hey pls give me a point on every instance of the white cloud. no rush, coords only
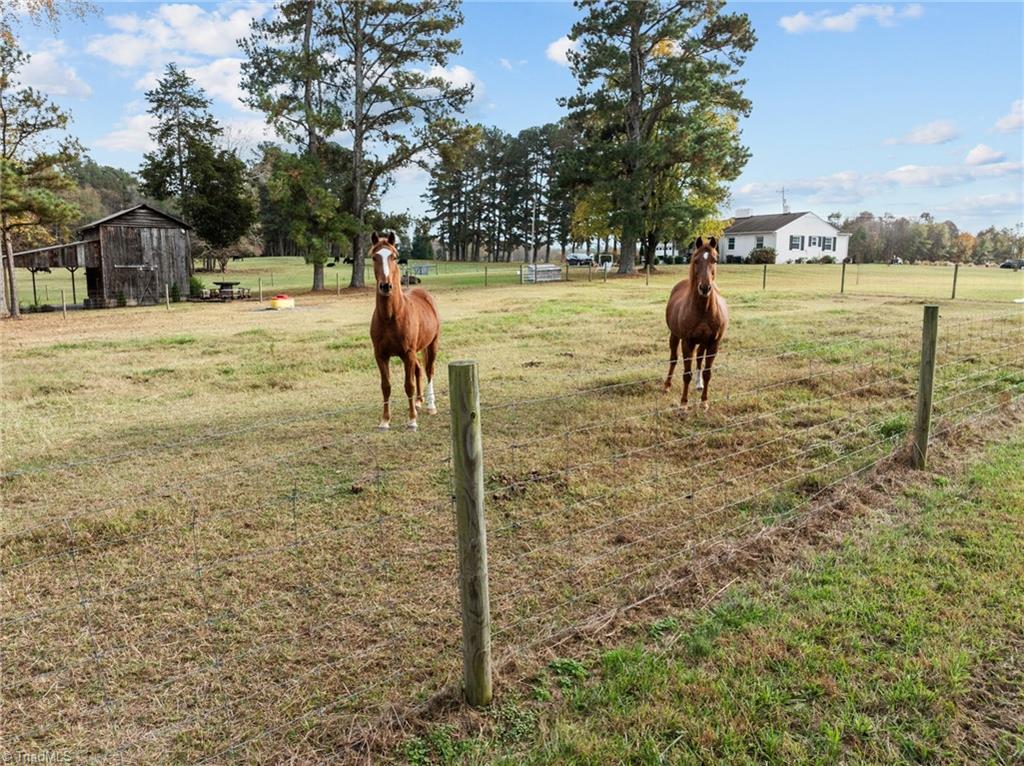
(558, 51)
(986, 205)
(1014, 120)
(46, 72)
(221, 78)
(130, 134)
(459, 76)
(511, 65)
(984, 155)
(849, 20)
(852, 186)
(936, 132)
(173, 30)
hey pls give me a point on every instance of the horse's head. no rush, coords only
(704, 266)
(385, 263)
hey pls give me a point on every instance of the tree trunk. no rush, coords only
(318, 276)
(12, 282)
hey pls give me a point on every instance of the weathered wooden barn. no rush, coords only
(128, 257)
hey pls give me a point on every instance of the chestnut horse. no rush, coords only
(403, 324)
(697, 317)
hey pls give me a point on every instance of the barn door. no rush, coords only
(124, 243)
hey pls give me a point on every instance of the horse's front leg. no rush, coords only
(673, 356)
(410, 387)
(419, 383)
(687, 373)
(385, 389)
(709, 357)
(702, 354)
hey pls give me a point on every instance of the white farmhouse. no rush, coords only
(793, 235)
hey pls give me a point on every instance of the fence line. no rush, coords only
(534, 617)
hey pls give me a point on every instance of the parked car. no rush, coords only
(1012, 264)
(579, 259)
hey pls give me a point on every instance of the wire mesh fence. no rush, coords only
(284, 605)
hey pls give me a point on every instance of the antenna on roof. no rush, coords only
(785, 207)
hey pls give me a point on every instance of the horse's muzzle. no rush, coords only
(385, 288)
(704, 290)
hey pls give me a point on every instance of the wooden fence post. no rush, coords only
(956, 268)
(590, 271)
(259, 284)
(925, 383)
(485, 275)
(271, 279)
(167, 295)
(764, 277)
(468, 474)
(337, 283)
(63, 305)
(842, 280)
(647, 273)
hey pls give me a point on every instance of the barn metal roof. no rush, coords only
(759, 223)
(127, 210)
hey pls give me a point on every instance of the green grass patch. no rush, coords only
(901, 648)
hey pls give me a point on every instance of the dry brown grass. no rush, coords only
(206, 546)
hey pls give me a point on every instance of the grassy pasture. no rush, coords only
(900, 646)
(209, 552)
(294, 276)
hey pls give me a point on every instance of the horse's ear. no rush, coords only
(391, 237)
(374, 238)
(699, 243)
(713, 242)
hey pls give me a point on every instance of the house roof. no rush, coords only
(132, 209)
(759, 223)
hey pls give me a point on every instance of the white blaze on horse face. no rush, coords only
(385, 261)
(705, 256)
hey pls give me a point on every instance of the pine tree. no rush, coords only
(184, 127)
(647, 72)
(391, 60)
(34, 151)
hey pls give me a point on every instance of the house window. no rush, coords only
(731, 244)
(796, 243)
(826, 243)
(759, 242)
(812, 242)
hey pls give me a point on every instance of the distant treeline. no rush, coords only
(881, 239)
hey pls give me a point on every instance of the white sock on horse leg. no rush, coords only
(700, 379)
(430, 395)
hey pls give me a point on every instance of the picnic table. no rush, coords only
(227, 289)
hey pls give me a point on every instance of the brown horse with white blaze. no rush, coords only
(697, 318)
(403, 324)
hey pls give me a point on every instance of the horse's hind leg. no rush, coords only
(385, 389)
(430, 356)
(673, 356)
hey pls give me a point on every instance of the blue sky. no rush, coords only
(891, 107)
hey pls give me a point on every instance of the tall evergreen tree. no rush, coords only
(293, 75)
(647, 72)
(399, 102)
(34, 153)
(184, 126)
